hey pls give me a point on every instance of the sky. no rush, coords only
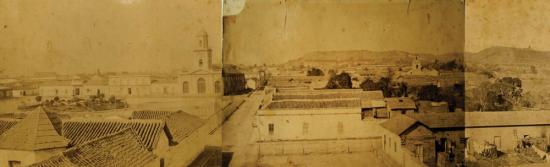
(508, 23)
(275, 31)
(73, 36)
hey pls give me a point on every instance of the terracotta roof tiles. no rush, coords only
(6, 124)
(119, 149)
(79, 132)
(34, 132)
(179, 124)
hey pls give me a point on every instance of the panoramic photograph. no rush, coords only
(274, 83)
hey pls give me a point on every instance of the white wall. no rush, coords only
(508, 139)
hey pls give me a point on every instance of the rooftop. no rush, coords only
(119, 149)
(400, 103)
(6, 124)
(78, 132)
(310, 104)
(441, 120)
(34, 132)
(398, 124)
(506, 118)
(179, 124)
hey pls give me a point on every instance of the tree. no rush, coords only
(429, 92)
(384, 84)
(38, 98)
(315, 72)
(369, 85)
(340, 81)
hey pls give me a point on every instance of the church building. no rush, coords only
(204, 79)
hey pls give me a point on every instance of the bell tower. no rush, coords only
(202, 53)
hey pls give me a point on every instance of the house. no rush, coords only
(410, 137)
(35, 138)
(95, 86)
(303, 126)
(119, 149)
(505, 129)
(59, 88)
(438, 139)
(400, 105)
(448, 130)
(234, 81)
(187, 135)
(5, 92)
(129, 85)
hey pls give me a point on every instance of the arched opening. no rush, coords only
(217, 87)
(185, 87)
(201, 86)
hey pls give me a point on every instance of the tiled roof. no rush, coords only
(310, 104)
(506, 118)
(119, 149)
(179, 124)
(34, 132)
(398, 124)
(55, 161)
(441, 120)
(400, 103)
(79, 132)
(151, 114)
(6, 124)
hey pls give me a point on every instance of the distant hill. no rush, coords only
(370, 57)
(508, 55)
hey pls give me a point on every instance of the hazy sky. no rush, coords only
(112, 35)
(274, 31)
(511, 23)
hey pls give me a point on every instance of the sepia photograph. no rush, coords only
(274, 83)
(110, 83)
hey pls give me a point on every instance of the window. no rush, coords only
(419, 151)
(56, 91)
(464, 140)
(394, 146)
(305, 128)
(129, 91)
(384, 141)
(217, 87)
(185, 86)
(201, 86)
(271, 128)
(340, 127)
(14, 163)
(165, 90)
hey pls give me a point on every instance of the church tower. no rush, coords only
(202, 53)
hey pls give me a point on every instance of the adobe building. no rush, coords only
(314, 123)
(506, 129)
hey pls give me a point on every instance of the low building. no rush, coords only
(437, 139)
(405, 138)
(234, 81)
(33, 139)
(400, 105)
(505, 129)
(5, 92)
(313, 126)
